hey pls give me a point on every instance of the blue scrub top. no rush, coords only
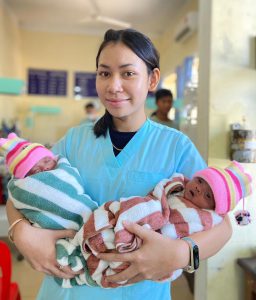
(155, 152)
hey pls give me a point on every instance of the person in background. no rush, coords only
(164, 102)
(91, 114)
(123, 154)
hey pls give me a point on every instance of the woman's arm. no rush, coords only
(159, 256)
(211, 241)
(38, 245)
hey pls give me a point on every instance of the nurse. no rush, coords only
(123, 154)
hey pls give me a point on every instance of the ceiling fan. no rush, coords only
(95, 15)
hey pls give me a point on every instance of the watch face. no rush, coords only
(196, 256)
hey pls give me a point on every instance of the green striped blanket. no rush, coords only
(56, 200)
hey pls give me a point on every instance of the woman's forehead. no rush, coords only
(118, 53)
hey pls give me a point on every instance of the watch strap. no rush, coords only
(194, 255)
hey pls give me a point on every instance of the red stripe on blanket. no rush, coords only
(97, 244)
(89, 227)
(116, 270)
(125, 205)
(206, 219)
(181, 226)
(92, 264)
(205, 216)
(128, 204)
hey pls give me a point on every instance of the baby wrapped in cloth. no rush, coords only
(55, 200)
(52, 199)
(174, 208)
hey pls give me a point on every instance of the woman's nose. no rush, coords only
(115, 85)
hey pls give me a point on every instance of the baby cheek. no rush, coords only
(53, 164)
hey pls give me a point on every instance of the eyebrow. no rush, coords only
(122, 66)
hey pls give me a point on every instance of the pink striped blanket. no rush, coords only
(163, 210)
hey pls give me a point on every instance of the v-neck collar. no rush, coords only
(128, 151)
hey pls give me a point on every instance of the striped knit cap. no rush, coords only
(20, 155)
(228, 185)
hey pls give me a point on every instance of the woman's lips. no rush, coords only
(116, 102)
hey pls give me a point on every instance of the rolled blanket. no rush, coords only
(56, 200)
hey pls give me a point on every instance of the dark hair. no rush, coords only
(142, 46)
(163, 93)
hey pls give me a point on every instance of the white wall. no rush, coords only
(233, 73)
(10, 59)
(172, 54)
(227, 91)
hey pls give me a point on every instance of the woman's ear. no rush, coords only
(154, 79)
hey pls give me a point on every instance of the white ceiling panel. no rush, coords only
(94, 16)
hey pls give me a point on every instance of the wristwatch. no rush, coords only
(194, 255)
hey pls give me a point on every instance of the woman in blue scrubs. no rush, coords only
(124, 154)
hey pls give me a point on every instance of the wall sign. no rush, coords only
(47, 82)
(85, 85)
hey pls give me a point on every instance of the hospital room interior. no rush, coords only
(207, 60)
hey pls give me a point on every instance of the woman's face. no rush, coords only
(123, 83)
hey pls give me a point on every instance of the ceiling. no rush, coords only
(90, 16)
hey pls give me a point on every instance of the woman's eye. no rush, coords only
(129, 74)
(103, 73)
(208, 196)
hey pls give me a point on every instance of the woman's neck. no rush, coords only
(127, 124)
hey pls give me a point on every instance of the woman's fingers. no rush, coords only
(61, 273)
(69, 271)
(128, 273)
(55, 270)
(138, 230)
(135, 279)
(66, 233)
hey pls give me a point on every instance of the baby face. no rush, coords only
(44, 164)
(199, 193)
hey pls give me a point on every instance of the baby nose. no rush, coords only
(45, 168)
(198, 190)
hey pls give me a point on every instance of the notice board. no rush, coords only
(85, 84)
(47, 82)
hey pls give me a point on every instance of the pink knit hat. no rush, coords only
(20, 155)
(228, 185)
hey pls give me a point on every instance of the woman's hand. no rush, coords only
(157, 258)
(38, 247)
